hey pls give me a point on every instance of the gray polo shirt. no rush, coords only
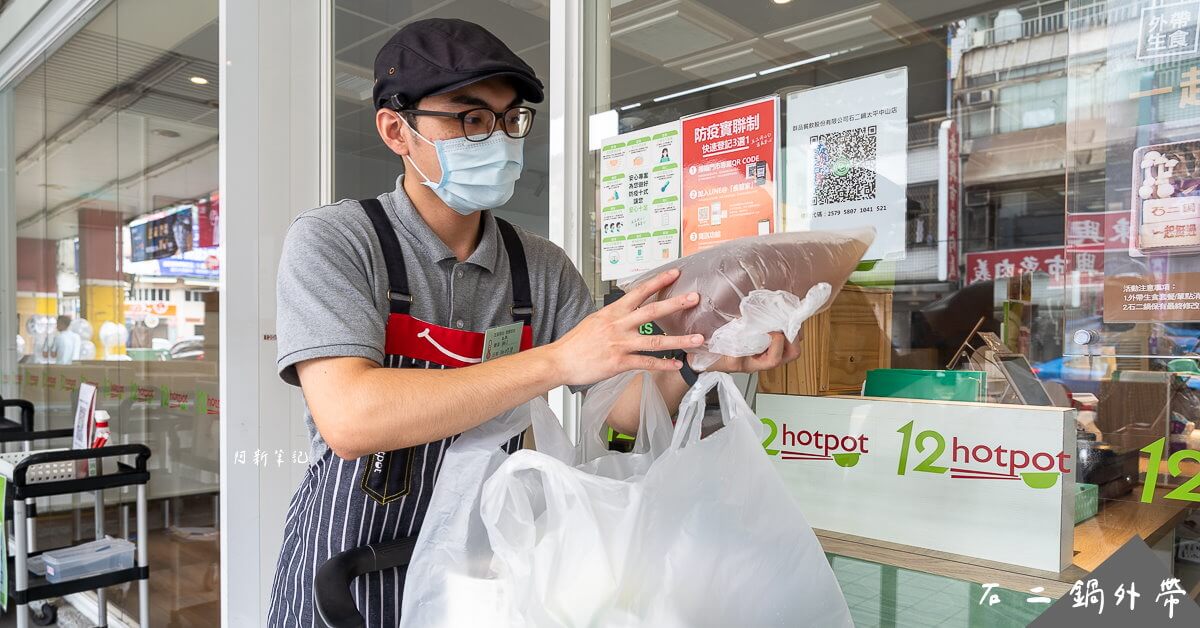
(332, 286)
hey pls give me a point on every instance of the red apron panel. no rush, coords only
(453, 348)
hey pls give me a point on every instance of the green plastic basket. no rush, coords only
(1087, 502)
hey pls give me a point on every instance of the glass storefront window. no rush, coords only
(1012, 231)
(362, 166)
(1032, 105)
(111, 187)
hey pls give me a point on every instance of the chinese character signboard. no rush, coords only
(1090, 237)
(949, 190)
(729, 174)
(162, 237)
(208, 221)
(847, 150)
(1165, 199)
(639, 200)
(1134, 298)
(1099, 231)
(1169, 30)
(994, 265)
(201, 264)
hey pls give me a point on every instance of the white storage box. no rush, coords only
(88, 559)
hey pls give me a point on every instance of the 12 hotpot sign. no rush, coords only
(925, 451)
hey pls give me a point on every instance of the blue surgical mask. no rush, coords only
(475, 175)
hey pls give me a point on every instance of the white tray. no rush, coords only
(38, 473)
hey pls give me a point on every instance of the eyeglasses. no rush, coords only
(479, 124)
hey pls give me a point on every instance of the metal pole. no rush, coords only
(32, 525)
(101, 602)
(77, 528)
(27, 446)
(143, 559)
(19, 560)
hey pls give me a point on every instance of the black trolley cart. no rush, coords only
(50, 472)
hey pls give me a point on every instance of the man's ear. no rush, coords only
(392, 130)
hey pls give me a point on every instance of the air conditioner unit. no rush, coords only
(980, 97)
(977, 197)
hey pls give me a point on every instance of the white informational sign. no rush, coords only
(847, 159)
(85, 409)
(1169, 30)
(639, 200)
(993, 482)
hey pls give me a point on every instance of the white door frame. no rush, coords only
(274, 57)
(8, 252)
(567, 147)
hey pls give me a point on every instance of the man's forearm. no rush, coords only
(383, 409)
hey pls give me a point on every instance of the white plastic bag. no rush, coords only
(652, 439)
(560, 531)
(706, 536)
(453, 579)
(720, 541)
(763, 312)
(451, 562)
(776, 278)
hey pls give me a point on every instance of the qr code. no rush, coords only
(843, 166)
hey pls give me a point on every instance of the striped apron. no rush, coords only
(344, 504)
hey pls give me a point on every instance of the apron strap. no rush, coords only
(522, 307)
(393, 257)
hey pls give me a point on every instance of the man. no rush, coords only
(66, 345)
(386, 307)
(140, 336)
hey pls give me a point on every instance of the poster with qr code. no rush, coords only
(729, 181)
(639, 200)
(847, 161)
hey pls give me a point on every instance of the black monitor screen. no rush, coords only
(1023, 379)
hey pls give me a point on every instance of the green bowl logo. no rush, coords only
(1040, 479)
(846, 460)
(841, 167)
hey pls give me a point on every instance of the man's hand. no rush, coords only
(624, 417)
(779, 352)
(607, 342)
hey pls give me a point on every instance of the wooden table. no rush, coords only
(1095, 540)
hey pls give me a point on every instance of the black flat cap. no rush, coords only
(436, 56)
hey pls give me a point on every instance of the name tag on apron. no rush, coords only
(501, 341)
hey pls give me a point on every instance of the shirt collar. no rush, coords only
(486, 254)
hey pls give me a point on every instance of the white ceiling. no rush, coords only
(113, 120)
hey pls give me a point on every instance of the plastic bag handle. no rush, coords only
(691, 412)
(599, 403)
(548, 433)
